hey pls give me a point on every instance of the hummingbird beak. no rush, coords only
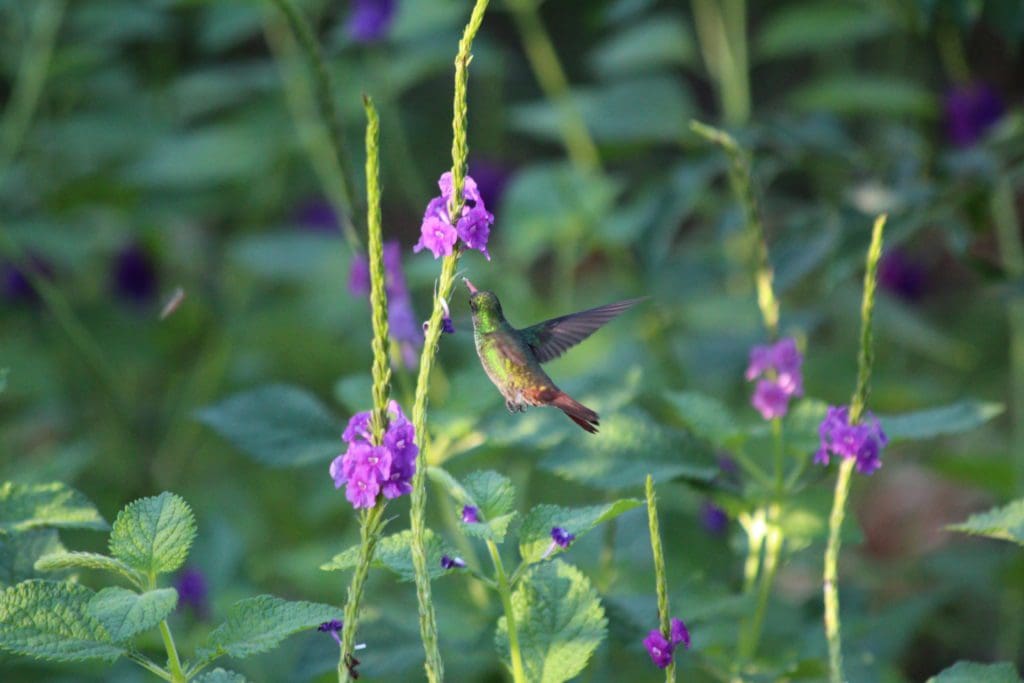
(472, 289)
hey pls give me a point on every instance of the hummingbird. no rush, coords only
(512, 358)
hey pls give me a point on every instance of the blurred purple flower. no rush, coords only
(713, 518)
(369, 20)
(470, 514)
(491, 179)
(971, 109)
(17, 287)
(473, 227)
(402, 325)
(863, 441)
(317, 215)
(359, 276)
(900, 274)
(679, 633)
(134, 275)
(658, 648)
(192, 591)
(780, 364)
(452, 562)
(365, 469)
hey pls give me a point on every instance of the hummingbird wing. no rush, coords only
(551, 338)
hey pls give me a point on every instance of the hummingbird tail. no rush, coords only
(577, 412)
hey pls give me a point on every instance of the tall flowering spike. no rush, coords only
(473, 226)
(370, 20)
(862, 442)
(779, 366)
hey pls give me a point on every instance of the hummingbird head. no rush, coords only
(485, 307)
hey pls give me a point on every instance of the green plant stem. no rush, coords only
(722, 34)
(755, 528)
(433, 664)
(780, 455)
(751, 638)
(830, 585)
(173, 662)
(28, 86)
(381, 371)
(149, 665)
(369, 533)
(504, 590)
(660, 577)
(741, 179)
(540, 52)
(325, 100)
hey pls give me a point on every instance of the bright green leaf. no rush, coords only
(50, 620)
(220, 676)
(560, 622)
(276, 425)
(952, 419)
(1005, 523)
(78, 560)
(19, 553)
(707, 417)
(972, 672)
(28, 506)
(394, 552)
(153, 535)
(259, 624)
(494, 496)
(125, 613)
(535, 532)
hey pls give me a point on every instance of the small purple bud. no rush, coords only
(134, 275)
(192, 591)
(679, 633)
(659, 649)
(470, 514)
(452, 562)
(561, 537)
(713, 518)
(333, 627)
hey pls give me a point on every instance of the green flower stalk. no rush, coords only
(842, 491)
(504, 588)
(433, 664)
(722, 33)
(660, 578)
(370, 519)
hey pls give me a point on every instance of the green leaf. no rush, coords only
(50, 620)
(816, 27)
(259, 624)
(631, 446)
(3, 379)
(277, 425)
(706, 417)
(220, 676)
(153, 535)
(28, 506)
(1005, 523)
(79, 560)
(878, 96)
(394, 552)
(972, 672)
(560, 622)
(125, 613)
(660, 40)
(491, 493)
(19, 553)
(535, 532)
(962, 416)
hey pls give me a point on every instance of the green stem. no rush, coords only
(660, 577)
(369, 533)
(518, 673)
(722, 34)
(540, 51)
(755, 528)
(751, 639)
(433, 664)
(149, 665)
(780, 455)
(173, 662)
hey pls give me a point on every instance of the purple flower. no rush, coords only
(491, 178)
(365, 469)
(863, 441)
(903, 276)
(452, 562)
(658, 648)
(358, 428)
(470, 514)
(561, 537)
(192, 591)
(17, 287)
(970, 110)
(333, 627)
(317, 215)
(679, 633)
(370, 20)
(713, 518)
(359, 276)
(473, 226)
(402, 325)
(780, 367)
(134, 275)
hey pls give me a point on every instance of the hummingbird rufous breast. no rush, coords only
(512, 358)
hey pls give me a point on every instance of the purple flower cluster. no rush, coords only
(401, 317)
(779, 368)
(473, 227)
(660, 648)
(370, 20)
(863, 441)
(367, 470)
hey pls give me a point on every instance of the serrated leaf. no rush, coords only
(259, 624)
(125, 613)
(220, 676)
(632, 445)
(153, 535)
(972, 672)
(29, 506)
(394, 552)
(707, 417)
(955, 418)
(277, 425)
(79, 560)
(1005, 523)
(560, 622)
(50, 620)
(535, 532)
(19, 553)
